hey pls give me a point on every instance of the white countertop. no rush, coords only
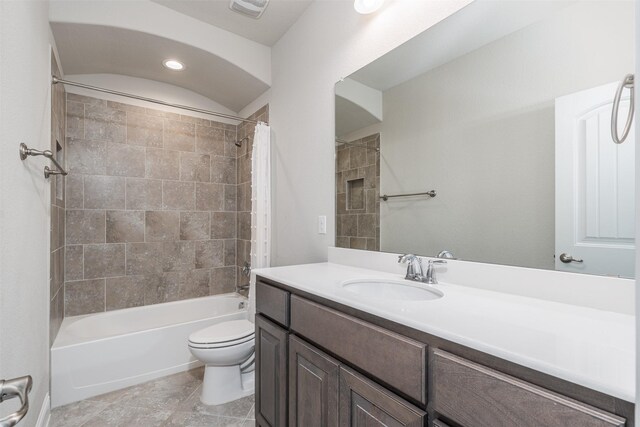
(586, 346)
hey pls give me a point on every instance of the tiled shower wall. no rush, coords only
(56, 263)
(244, 190)
(152, 201)
(358, 194)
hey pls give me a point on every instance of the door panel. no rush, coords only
(313, 386)
(271, 373)
(595, 185)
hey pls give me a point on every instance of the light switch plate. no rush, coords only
(322, 224)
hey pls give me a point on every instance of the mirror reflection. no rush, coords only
(494, 142)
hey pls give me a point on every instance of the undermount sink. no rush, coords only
(392, 289)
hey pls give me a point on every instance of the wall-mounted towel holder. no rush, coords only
(26, 152)
(626, 83)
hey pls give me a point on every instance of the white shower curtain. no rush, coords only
(260, 203)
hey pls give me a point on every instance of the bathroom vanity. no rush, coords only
(325, 358)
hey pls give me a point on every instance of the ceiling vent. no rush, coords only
(251, 8)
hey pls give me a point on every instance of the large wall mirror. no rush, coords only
(492, 128)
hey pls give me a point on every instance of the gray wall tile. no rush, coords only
(104, 192)
(162, 164)
(178, 256)
(223, 280)
(144, 258)
(162, 226)
(75, 120)
(210, 140)
(143, 194)
(223, 225)
(209, 197)
(125, 226)
(74, 262)
(179, 135)
(106, 260)
(124, 292)
(223, 170)
(88, 157)
(178, 195)
(195, 167)
(153, 200)
(125, 160)
(85, 226)
(83, 297)
(74, 191)
(104, 123)
(194, 225)
(209, 253)
(144, 130)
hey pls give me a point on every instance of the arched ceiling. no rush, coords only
(133, 37)
(98, 49)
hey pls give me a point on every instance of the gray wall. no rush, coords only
(152, 209)
(480, 130)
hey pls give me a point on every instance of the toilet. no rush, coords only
(227, 350)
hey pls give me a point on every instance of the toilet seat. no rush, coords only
(225, 334)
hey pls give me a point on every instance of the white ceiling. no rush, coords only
(276, 20)
(98, 49)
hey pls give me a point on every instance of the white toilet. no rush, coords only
(227, 349)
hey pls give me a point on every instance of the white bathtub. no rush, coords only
(103, 352)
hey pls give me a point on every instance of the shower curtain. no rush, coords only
(260, 203)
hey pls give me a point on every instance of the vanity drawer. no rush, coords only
(476, 396)
(397, 361)
(272, 302)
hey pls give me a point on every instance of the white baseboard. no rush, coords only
(45, 412)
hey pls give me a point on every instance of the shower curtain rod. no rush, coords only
(56, 80)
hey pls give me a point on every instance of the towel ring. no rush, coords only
(627, 82)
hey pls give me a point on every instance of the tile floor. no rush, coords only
(168, 401)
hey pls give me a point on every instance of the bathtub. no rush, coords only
(98, 353)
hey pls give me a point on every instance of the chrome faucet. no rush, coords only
(430, 278)
(414, 267)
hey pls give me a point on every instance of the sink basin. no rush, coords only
(389, 289)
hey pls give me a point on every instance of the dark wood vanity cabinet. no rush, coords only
(318, 364)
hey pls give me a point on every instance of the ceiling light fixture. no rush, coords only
(172, 64)
(367, 6)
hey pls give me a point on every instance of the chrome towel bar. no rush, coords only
(626, 83)
(20, 388)
(431, 193)
(26, 151)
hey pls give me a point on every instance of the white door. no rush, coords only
(595, 185)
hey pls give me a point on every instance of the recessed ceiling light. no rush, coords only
(172, 64)
(367, 6)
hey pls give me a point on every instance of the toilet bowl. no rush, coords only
(227, 351)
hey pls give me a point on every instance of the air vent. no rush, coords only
(251, 8)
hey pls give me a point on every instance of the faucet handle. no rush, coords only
(437, 261)
(406, 258)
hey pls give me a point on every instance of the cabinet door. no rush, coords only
(366, 404)
(313, 386)
(271, 374)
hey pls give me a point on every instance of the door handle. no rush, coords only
(20, 388)
(566, 258)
